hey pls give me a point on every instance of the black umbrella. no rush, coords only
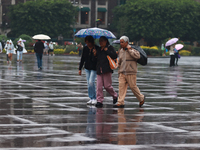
(143, 55)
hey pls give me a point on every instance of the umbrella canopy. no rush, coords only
(179, 46)
(171, 42)
(95, 32)
(41, 37)
(116, 42)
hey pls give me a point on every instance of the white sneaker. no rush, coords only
(94, 101)
(89, 102)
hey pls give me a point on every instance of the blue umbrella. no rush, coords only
(95, 32)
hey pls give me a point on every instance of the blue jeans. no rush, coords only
(19, 55)
(91, 76)
(39, 59)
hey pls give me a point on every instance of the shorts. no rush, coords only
(45, 50)
(50, 50)
(10, 51)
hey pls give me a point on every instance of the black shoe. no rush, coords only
(118, 106)
(99, 105)
(115, 100)
(142, 102)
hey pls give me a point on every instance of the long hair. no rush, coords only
(105, 39)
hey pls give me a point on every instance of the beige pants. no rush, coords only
(124, 81)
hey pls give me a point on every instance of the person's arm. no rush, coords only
(82, 61)
(134, 53)
(35, 46)
(120, 60)
(43, 46)
(111, 52)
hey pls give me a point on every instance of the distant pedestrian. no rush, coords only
(10, 50)
(128, 72)
(104, 72)
(38, 48)
(3, 42)
(6, 49)
(89, 62)
(177, 56)
(1, 48)
(20, 50)
(80, 48)
(46, 48)
(172, 56)
(51, 49)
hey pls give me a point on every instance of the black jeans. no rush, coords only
(172, 60)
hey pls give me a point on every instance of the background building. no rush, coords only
(89, 11)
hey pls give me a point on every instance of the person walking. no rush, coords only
(128, 72)
(1, 48)
(51, 49)
(89, 62)
(172, 56)
(10, 50)
(20, 50)
(177, 56)
(6, 49)
(46, 48)
(104, 72)
(38, 48)
(80, 48)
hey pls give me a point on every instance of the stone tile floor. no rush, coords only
(44, 110)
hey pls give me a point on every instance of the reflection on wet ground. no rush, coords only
(43, 110)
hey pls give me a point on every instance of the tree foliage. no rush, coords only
(51, 17)
(155, 20)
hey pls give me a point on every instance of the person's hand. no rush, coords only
(105, 49)
(94, 52)
(129, 47)
(79, 72)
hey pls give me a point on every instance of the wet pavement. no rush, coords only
(44, 110)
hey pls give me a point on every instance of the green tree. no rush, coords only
(24, 37)
(51, 17)
(155, 20)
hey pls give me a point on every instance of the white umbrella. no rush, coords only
(171, 42)
(41, 37)
(179, 46)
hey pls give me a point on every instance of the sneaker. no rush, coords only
(94, 101)
(115, 100)
(89, 102)
(99, 105)
(142, 102)
(117, 105)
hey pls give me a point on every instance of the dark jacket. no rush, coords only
(88, 59)
(39, 46)
(19, 48)
(102, 60)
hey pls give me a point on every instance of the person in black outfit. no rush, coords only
(89, 62)
(104, 72)
(38, 48)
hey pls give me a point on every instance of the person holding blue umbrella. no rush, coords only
(89, 62)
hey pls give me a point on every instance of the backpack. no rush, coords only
(143, 56)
